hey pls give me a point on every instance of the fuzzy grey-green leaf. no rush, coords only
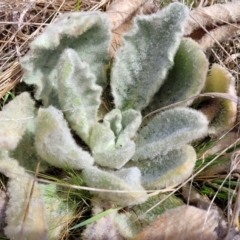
(14, 119)
(19, 189)
(131, 121)
(25, 152)
(115, 158)
(124, 180)
(147, 54)
(167, 170)
(59, 211)
(111, 142)
(113, 120)
(169, 130)
(185, 80)
(88, 33)
(55, 144)
(78, 93)
(221, 113)
(102, 138)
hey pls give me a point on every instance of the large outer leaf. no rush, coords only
(220, 80)
(37, 213)
(124, 180)
(14, 119)
(25, 152)
(59, 211)
(169, 130)
(87, 33)
(55, 144)
(142, 63)
(24, 215)
(166, 170)
(186, 79)
(78, 93)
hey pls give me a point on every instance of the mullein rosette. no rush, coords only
(153, 68)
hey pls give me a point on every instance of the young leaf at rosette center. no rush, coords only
(115, 158)
(123, 180)
(88, 33)
(167, 170)
(25, 212)
(147, 54)
(55, 144)
(185, 80)
(113, 120)
(103, 135)
(14, 118)
(221, 112)
(131, 121)
(112, 141)
(104, 149)
(102, 138)
(169, 130)
(78, 93)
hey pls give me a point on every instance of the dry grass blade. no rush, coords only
(10, 78)
(210, 94)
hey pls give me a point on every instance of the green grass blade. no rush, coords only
(95, 218)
